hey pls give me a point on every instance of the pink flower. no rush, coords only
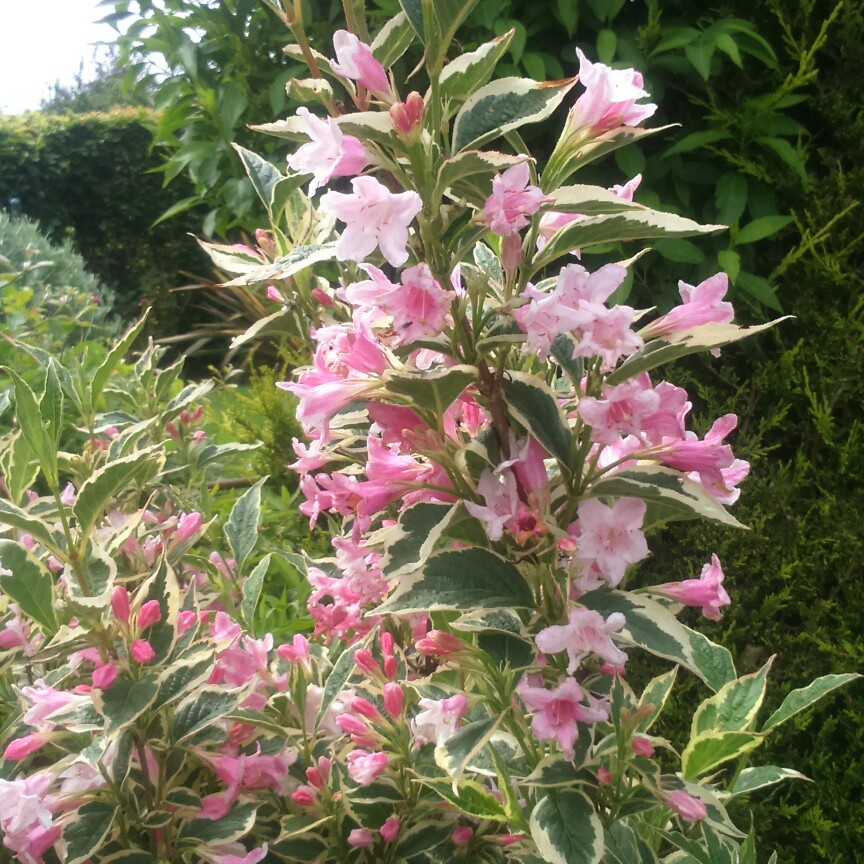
(701, 304)
(461, 835)
(68, 495)
(365, 767)
(330, 153)
(621, 411)
(609, 100)
(556, 712)
(611, 538)
(188, 526)
(688, 807)
(512, 201)
(45, 701)
(439, 719)
(501, 497)
(19, 748)
(235, 853)
(585, 633)
(707, 591)
(390, 828)
(149, 614)
(142, 651)
(420, 308)
(360, 838)
(25, 817)
(356, 61)
(373, 216)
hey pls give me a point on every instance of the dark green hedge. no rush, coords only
(89, 178)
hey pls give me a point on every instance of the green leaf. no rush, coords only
(734, 707)
(533, 405)
(566, 828)
(607, 43)
(789, 154)
(568, 12)
(51, 404)
(714, 661)
(338, 678)
(468, 797)
(699, 53)
(703, 337)
(263, 175)
(411, 540)
(201, 709)
(233, 826)
(38, 528)
(98, 491)
(125, 701)
(183, 677)
(759, 229)
(18, 466)
(87, 831)
(471, 70)
(751, 779)
(634, 224)
(461, 579)
(455, 755)
(588, 200)
(30, 585)
(655, 696)
(112, 359)
(504, 105)
(697, 139)
(679, 250)
(296, 260)
(708, 750)
(393, 40)
(29, 416)
(730, 262)
(759, 288)
(431, 391)
(804, 697)
(241, 529)
(727, 45)
(252, 590)
(669, 494)
(730, 196)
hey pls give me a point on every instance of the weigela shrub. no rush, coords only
(489, 432)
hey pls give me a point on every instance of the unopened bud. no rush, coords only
(120, 603)
(408, 114)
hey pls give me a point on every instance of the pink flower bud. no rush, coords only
(321, 297)
(68, 496)
(313, 776)
(462, 835)
(120, 603)
(171, 429)
(142, 651)
(641, 746)
(390, 829)
(303, 796)
(185, 620)
(408, 114)
(364, 661)
(511, 252)
(604, 776)
(149, 614)
(273, 293)
(184, 417)
(360, 838)
(391, 667)
(439, 643)
(19, 748)
(688, 807)
(394, 699)
(352, 725)
(198, 413)
(356, 61)
(510, 839)
(364, 708)
(188, 526)
(387, 644)
(104, 676)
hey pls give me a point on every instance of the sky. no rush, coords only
(43, 41)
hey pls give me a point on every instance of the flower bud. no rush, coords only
(104, 676)
(185, 620)
(439, 643)
(364, 661)
(364, 708)
(394, 699)
(408, 114)
(604, 776)
(687, 806)
(120, 603)
(303, 796)
(149, 614)
(641, 746)
(390, 829)
(360, 838)
(461, 836)
(391, 667)
(188, 526)
(142, 651)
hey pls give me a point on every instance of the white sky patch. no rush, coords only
(44, 41)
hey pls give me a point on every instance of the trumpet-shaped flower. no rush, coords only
(512, 201)
(585, 633)
(374, 217)
(356, 61)
(707, 591)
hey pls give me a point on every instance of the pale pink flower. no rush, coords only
(45, 701)
(360, 838)
(68, 495)
(512, 201)
(585, 633)
(26, 818)
(701, 304)
(373, 217)
(609, 100)
(356, 61)
(707, 591)
(501, 498)
(611, 538)
(439, 719)
(687, 806)
(330, 153)
(608, 335)
(556, 712)
(545, 316)
(621, 411)
(365, 767)
(142, 651)
(420, 308)
(235, 853)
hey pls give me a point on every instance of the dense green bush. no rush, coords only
(87, 177)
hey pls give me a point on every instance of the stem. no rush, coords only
(302, 42)
(148, 791)
(73, 555)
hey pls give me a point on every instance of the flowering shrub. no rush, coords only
(485, 429)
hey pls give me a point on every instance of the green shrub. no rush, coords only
(88, 177)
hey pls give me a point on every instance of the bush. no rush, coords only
(88, 177)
